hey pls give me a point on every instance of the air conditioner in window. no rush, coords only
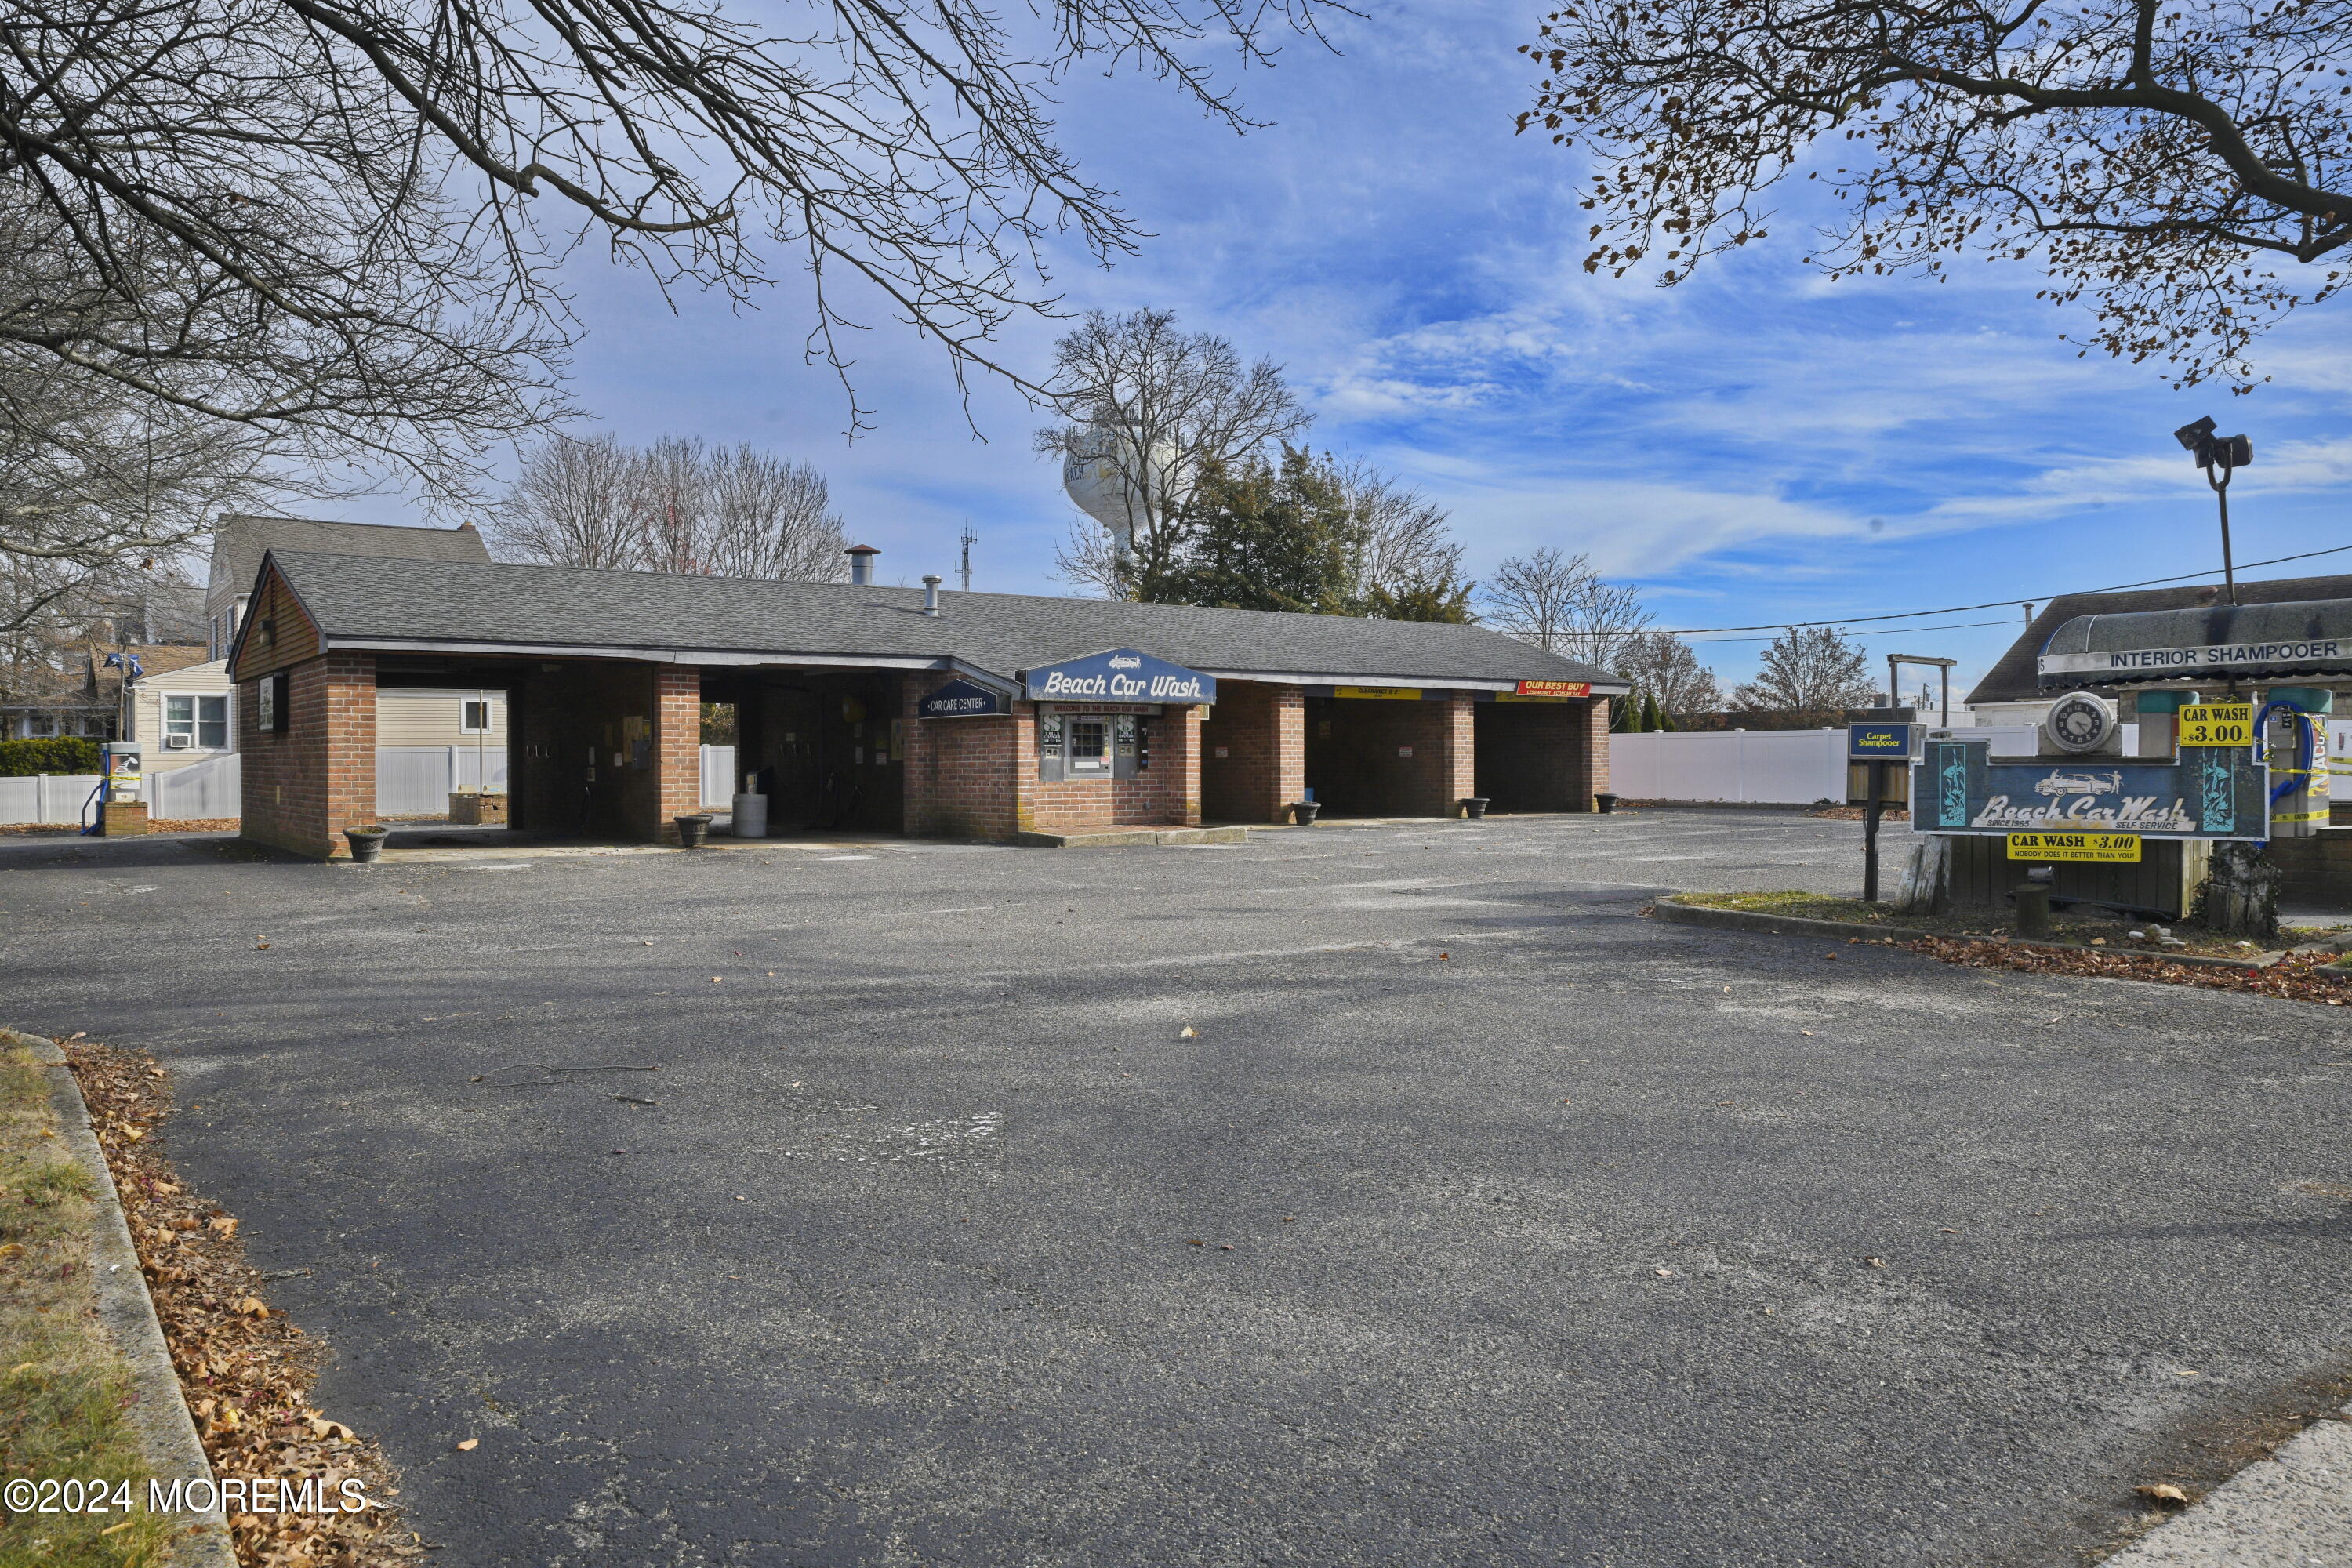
(176, 742)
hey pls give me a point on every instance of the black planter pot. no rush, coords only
(1606, 803)
(1303, 811)
(1475, 806)
(367, 843)
(693, 830)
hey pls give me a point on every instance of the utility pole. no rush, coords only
(963, 572)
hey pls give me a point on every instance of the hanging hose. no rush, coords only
(88, 827)
(2305, 726)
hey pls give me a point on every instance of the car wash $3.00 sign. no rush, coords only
(2212, 792)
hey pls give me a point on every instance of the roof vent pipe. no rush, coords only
(861, 564)
(932, 594)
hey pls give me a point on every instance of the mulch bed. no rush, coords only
(245, 1370)
(2293, 978)
(154, 825)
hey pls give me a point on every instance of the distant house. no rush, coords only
(2010, 693)
(79, 691)
(240, 543)
(179, 707)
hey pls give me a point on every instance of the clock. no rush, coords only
(2079, 722)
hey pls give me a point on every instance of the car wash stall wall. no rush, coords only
(1541, 753)
(1253, 752)
(1403, 753)
(827, 747)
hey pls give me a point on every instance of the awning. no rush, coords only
(2302, 639)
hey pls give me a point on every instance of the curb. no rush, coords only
(1674, 913)
(161, 1417)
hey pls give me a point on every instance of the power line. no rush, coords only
(1889, 632)
(1997, 604)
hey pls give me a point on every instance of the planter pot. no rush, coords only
(367, 843)
(1475, 806)
(692, 830)
(1303, 811)
(1606, 803)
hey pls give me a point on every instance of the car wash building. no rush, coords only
(896, 710)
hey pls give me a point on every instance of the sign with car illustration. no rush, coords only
(2213, 792)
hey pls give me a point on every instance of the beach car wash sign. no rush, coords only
(1956, 787)
(1122, 675)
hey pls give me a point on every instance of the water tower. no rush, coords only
(1098, 474)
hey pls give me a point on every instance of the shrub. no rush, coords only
(57, 754)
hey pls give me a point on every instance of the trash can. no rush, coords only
(750, 816)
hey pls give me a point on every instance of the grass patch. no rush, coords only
(2065, 925)
(64, 1388)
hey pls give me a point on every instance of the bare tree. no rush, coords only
(101, 492)
(361, 176)
(1563, 607)
(1156, 406)
(1405, 541)
(1813, 671)
(570, 506)
(772, 517)
(1662, 665)
(2163, 160)
(678, 506)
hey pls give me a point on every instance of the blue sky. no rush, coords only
(1759, 444)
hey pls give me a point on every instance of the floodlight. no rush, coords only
(2195, 437)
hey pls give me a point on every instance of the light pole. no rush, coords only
(2219, 456)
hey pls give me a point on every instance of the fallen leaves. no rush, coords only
(2294, 978)
(245, 1369)
(2164, 1492)
(1189, 1033)
(469, 1445)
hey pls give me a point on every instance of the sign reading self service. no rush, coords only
(1121, 675)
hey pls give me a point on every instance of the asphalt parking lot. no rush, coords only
(1529, 1231)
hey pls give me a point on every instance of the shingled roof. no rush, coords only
(239, 542)
(2013, 678)
(481, 606)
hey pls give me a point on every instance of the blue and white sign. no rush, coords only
(2213, 792)
(964, 700)
(1122, 675)
(1877, 743)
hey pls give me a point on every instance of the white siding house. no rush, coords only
(181, 716)
(418, 716)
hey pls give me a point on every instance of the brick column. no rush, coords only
(677, 746)
(963, 776)
(1459, 772)
(302, 787)
(1176, 757)
(1592, 753)
(1262, 731)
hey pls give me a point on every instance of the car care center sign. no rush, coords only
(964, 700)
(2216, 794)
(1122, 675)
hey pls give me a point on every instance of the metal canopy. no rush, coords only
(2305, 638)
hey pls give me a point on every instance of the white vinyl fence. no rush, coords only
(718, 778)
(45, 797)
(1764, 767)
(417, 780)
(199, 792)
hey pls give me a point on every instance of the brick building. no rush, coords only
(856, 706)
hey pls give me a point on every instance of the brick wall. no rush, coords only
(303, 786)
(963, 776)
(1361, 768)
(1165, 794)
(1263, 732)
(978, 777)
(677, 748)
(1542, 756)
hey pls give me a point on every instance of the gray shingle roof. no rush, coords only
(359, 598)
(239, 542)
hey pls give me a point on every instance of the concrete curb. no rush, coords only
(166, 1431)
(2292, 1509)
(1675, 913)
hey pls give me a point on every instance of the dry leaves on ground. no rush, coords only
(2293, 978)
(245, 1370)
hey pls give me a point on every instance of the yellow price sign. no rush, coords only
(2109, 846)
(2218, 724)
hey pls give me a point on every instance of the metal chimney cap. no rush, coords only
(861, 549)
(931, 582)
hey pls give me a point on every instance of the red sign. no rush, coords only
(1555, 688)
